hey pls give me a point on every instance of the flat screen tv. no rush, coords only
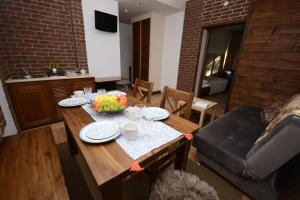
(106, 22)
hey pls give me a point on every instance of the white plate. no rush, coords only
(70, 102)
(155, 113)
(88, 140)
(116, 93)
(101, 130)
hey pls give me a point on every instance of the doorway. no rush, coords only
(219, 53)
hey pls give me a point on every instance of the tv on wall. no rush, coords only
(106, 22)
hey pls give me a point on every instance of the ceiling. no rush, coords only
(138, 7)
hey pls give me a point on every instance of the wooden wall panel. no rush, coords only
(141, 46)
(269, 67)
(136, 50)
(145, 47)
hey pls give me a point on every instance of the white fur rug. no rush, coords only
(177, 185)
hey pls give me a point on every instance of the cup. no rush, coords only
(130, 130)
(82, 71)
(132, 113)
(79, 93)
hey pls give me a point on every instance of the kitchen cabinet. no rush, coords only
(59, 90)
(79, 84)
(35, 102)
(32, 105)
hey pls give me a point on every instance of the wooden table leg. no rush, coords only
(112, 190)
(201, 121)
(213, 114)
(182, 155)
(72, 146)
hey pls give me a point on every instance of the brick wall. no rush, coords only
(34, 33)
(198, 14)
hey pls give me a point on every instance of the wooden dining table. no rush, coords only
(109, 164)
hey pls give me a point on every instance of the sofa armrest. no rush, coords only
(282, 144)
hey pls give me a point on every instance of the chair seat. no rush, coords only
(228, 139)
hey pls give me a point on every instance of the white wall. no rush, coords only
(179, 4)
(10, 128)
(103, 48)
(156, 46)
(126, 48)
(156, 49)
(172, 46)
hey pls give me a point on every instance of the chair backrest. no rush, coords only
(170, 95)
(142, 90)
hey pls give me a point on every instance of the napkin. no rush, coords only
(202, 104)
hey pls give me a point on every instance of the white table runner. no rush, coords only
(151, 134)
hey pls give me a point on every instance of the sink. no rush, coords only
(28, 77)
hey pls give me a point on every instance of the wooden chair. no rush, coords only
(173, 96)
(143, 89)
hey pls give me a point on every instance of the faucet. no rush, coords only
(27, 75)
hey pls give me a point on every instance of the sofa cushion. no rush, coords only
(292, 106)
(228, 139)
(270, 112)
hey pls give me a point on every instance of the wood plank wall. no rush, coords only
(269, 63)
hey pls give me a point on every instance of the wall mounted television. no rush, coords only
(106, 22)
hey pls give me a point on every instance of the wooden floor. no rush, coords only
(79, 189)
(30, 167)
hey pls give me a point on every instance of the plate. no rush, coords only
(88, 140)
(101, 130)
(116, 93)
(71, 102)
(154, 113)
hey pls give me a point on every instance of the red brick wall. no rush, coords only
(198, 14)
(34, 33)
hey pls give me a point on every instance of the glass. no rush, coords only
(87, 90)
(101, 91)
(87, 93)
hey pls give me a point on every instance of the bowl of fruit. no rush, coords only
(109, 104)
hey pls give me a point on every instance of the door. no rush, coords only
(141, 46)
(32, 104)
(145, 46)
(136, 51)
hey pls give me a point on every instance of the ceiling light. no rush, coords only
(126, 11)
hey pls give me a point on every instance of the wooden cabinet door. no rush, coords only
(59, 90)
(145, 48)
(136, 29)
(79, 84)
(32, 104)
(141, 47)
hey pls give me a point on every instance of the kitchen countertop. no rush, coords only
(109, 79)
(48, 78)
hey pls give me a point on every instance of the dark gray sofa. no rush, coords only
(227, 145)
